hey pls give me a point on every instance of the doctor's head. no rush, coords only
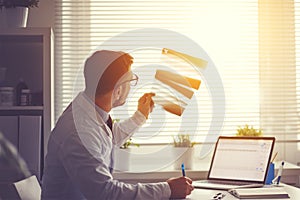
(108, 76)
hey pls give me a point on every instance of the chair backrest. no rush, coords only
(29, 188)
(16, 181)
(26, 189)
(12, 166)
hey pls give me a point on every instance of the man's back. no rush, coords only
(56, 182)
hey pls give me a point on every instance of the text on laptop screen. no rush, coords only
(242, 159)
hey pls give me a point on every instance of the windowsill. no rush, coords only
(147, 169)
(153, 163)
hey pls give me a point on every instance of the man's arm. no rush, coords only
(91, 175)
(124, 130)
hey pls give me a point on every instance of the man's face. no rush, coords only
(122, 89)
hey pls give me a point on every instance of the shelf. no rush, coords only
(27, 53)
(11, 108)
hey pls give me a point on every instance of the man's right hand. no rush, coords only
(180, 187)
(146, 104)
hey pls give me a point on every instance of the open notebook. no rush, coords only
(238, 162)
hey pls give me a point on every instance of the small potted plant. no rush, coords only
(248, 131)
(128, 143)
(14, 13)
(183, 151)
(19, 3)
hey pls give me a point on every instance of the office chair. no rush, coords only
(16, 181)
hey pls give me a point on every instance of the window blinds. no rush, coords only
(253, 45)
(279, 99)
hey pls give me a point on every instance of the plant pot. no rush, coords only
(183, 155)
(13, 17)
(122, 159)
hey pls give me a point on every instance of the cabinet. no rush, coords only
(27, 53)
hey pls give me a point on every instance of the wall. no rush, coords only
(43, 16)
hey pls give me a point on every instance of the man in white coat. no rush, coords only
(79, 159)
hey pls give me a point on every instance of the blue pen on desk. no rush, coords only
(182, 169)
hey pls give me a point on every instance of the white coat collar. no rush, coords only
(81, 103)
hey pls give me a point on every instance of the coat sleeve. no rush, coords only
(125, 129)
(91, 174)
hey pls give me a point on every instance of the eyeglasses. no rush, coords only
(133, 81)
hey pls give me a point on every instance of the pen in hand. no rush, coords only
(182, 169)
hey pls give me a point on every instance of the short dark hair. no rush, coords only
(103, 69)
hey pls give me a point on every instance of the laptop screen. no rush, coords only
(241, 158)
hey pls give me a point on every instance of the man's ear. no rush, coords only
(117, 92)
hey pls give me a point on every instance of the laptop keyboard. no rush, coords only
(227, 182)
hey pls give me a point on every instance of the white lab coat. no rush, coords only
(79, 153)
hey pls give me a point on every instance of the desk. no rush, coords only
(197, 194)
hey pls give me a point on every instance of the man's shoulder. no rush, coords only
(73, 121)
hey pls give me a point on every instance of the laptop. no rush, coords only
(238, 162)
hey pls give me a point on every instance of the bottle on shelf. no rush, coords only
(25, 97)
(6, 92)
(6, 96)
(20, 86)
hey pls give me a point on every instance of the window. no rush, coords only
(253, 44)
